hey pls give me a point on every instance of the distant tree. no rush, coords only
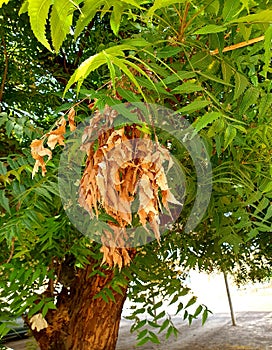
(209, 62)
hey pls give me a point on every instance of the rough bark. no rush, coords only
(80, 321)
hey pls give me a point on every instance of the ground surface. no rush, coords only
(252, 305)
(253, 332)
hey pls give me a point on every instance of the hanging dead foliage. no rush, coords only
(123, 165)
(56, 136)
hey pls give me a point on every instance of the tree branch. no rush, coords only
(5, 69)
(183, 22)
(239, 45)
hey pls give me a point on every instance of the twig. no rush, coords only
(5, 69)
(12, 250)
(183, 23)
(239, 45)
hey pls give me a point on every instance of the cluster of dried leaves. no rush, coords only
(123, 167)
(38, 151)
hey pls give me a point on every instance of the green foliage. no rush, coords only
(194, 57)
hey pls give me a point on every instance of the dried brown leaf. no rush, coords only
(57, 136)
(38, 152)
(71, 119)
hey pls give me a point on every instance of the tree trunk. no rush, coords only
(80, 321)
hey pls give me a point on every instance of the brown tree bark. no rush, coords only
(82, 322)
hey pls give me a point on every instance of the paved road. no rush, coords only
(253, 332)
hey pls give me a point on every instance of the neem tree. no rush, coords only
(209, 62)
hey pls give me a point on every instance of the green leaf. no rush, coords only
(3, 118)
(3, 169)
(35, 276)
(194, 106)
(179, 75)
(158, 4)
(160, 315)
(4, 329)
(213, 7)
(139, 325)
(157, 305)
(217, 41)
(43, 192)
(213, 78)
(168, 52)
(227, 71)
(229, 135)
(216, 127)
(210, 28)
(265, 104)
(142, 334)
(38, 12)
(241, 128)
(133, 3)
(153, 338)
(191, 302)
(9, 127)
(24, 8)
(109, 294)
(187, 88)
(164, 325)
(141, 42)
(241, 83)
(245, 30)
(267, 187)
(169, 332)
(36, 308)
(116, 16)
(206, 119)
(250, 97)
(268, 214)
(252, 234)
(47, 306)
(2, 2)
(180, 307)
(61, 21)
(128, 95)
(267, 50)
(87, 13)
(143, 341)
(264, 16)
(112, 71)
(198, 310)
(94, 62)
(117, 288)
(174, 299)
(230, 10)
(122, 66)
(204, 316)
(4, 202)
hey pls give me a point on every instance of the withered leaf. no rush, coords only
(38, 152)
(57, 136)
(38, 322)
(71, 119)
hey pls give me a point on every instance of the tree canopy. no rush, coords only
(64, 61)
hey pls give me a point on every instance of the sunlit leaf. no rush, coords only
(38, 12)
(210, 28)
